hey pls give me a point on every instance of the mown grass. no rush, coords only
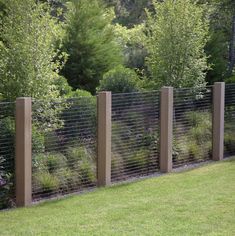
(195, 202)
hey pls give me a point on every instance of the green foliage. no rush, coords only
(120, 80)
(129, 12)
(38, 140)
(68, 179)
(175, 41)
(90, 44)
(229, 143)
(49, 162)
(6, 184)
(46, 181)
(66, 90)
(7, 128)
(229, 131)
(138, 160)
(55, 161)
(197, 141)
(81, 161)
(30, 38)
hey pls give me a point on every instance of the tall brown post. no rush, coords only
(104, 138)
(218, 121)
(166, 129)
(23, 161)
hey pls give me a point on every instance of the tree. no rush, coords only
(175, 39)
(222, 38)
(120, 80)
(28, 51)
(129, 12)
(90, 44)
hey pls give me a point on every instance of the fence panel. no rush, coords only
(135, 135)
(229, 126)
(64, 146)
(7, 154)
(192, 127)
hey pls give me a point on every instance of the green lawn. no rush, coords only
(196, 202)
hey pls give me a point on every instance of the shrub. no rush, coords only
(46, 182)
(120, 80)
(68, 179)
(7, 135)
(197, 141)
(40, 162)
(117, 166)
(81, 161)
(229, 143)
(7, 128)
(56, 161)
(83, 109)
(38, 140)
(51, 139)
(138, 160)
(75, 155)
(6, 185)
(50, 162)
(86, 172)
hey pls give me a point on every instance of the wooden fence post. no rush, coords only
(104, 104)
(218, 121)
(166, 129)
(23, 161)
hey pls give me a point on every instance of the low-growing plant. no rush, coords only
(80, 159)
(56, 161)
(197, 141)
(49, 162)
(75, 155)
(117, 166)
(38, 140)
(86, 172)
(44, 181)
(68, 179)
(229, 143)
(137, 160)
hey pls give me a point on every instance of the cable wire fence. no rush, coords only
(135, 135)
(7, 154)
(192, 127)
(64, 146)
(229, 125)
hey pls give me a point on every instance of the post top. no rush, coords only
(167, 87)
(24, 98)
(105, 92)
(219, 83)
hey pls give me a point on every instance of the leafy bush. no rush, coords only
(229, 143)
(38, 140)
(7, 135)
(51, 138)
(86, 172)
(80, 160)
(120, 80)
(138, 160)
(7, 128)
(68, 179)
(197, 141)
(83, 109)
(56, 161)
(117, 166)
(6, 184)
(50, 162)
(75, 155)
(46, 182)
